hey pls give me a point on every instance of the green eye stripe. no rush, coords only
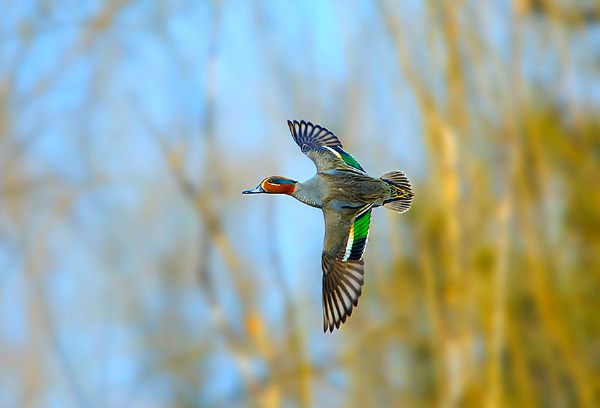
(279, 180)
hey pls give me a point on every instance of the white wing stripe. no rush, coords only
(339, 156)
(349, 244)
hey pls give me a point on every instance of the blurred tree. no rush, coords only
(133, 273)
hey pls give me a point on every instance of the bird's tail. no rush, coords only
(401, 194)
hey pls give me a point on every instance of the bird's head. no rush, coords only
(274, 185)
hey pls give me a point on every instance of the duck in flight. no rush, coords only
(347, 195)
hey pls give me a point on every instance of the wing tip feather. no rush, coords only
(340, 297)
(303, 133)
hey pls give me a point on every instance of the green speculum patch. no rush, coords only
(348, 159)
(361, 225)
(360, 232)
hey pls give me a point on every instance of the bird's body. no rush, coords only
(346, 194)
(337, 188)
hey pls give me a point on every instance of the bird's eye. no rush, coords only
(271, 181)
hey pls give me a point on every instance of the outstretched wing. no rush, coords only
(307, 135)
(346, 236)
(322, 147)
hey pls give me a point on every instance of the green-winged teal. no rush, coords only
(346, 194)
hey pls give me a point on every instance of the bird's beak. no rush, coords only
(257, 190)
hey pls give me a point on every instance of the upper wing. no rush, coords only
(346, 235)
(322, 147)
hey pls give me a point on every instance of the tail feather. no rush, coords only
(401, 193)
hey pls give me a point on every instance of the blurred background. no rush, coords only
(133, 273)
